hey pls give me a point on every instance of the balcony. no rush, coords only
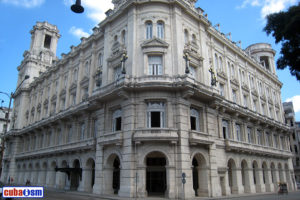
(237, 146)
(83, 145)
(115, 138)
(196, 137)
(155, 134)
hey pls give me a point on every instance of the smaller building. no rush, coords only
(3, 123)
(289, 115)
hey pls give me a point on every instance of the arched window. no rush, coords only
(100, 59)
(160, 29)
(149, 30)
(225, 129)
(75, 75)
(232, 71)
(186, 36)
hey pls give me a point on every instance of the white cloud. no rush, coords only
(296, 102)
(268, 6)
(24, 3)
(78, 32)
(94, 9)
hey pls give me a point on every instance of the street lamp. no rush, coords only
(11, 96)
(77, 8)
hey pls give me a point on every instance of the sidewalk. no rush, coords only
(114, 197)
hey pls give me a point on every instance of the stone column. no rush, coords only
(215, 186)
(141, 187)
(251, 187)
(203, 174)
(98, 185)
(50, 178)
(238, 187)
(108, 180)
(260, 187)
(85, 184)
(171, 181)
(269, 185)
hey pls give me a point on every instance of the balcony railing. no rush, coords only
(81, 145)
(111, 138)
(155, 134)
(237, 146)
(196, 137)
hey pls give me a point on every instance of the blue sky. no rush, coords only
(245, 20)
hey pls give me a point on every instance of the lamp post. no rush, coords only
(11, 96)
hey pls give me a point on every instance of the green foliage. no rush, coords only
(285, 28)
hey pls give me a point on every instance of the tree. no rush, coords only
(285, 28)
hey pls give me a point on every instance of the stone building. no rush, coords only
(155, 91)
(289, 115)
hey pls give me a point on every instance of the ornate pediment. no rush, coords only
(245, 87)
(84, 81)
(270, 101)
(46, 102)
(62, 92)
(72, 86)
(39, 107)
(263, 97)
(155, 43)
(234, 81)
(254, 92)
(222, 75)
(53, 98)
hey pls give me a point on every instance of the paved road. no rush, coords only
(59, 195)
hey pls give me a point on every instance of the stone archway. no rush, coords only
(112, 175)
(156, 175)
(232, 177)
(75, 175)
(200, 180)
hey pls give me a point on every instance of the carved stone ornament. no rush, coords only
(154, 43)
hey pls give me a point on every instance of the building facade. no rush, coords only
(154, 93)
(289, 115)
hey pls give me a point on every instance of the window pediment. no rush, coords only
(46, 102)
(84, 81)
(53, 98)
(154, 45)
(234, 81)
(39, 107)
(245, 87)
(62, 92)
(72, 86)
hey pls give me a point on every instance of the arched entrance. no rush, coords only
(112, 175)
(200, 183)
(156, 181)
(116, 175)
(75, 175)
(232, 177)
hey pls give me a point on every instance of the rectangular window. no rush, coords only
(82, 131)
(249, 133)
(117, 120)
(238, 132)
(263, 109)
(47, 41)
(194, 119)
(69, 139)
(268, 139)
(155, 65)
(225, 129)
(149, 30)
(276, 141)
(259, 137)
(160, 30)
(155, 114)
(117, 72)
(222, 93)
(245, 101)
(95, 128)
(254, 106)
(234, 97)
